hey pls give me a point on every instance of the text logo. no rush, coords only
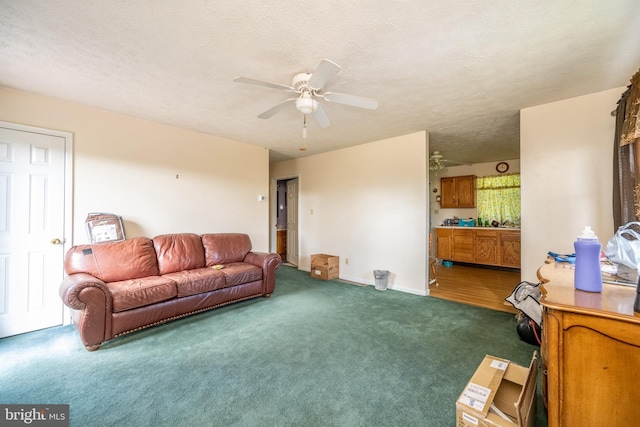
(34, 415)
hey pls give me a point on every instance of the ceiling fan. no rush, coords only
(437, 162)
(308, 89)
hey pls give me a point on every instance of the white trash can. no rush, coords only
(381, 277)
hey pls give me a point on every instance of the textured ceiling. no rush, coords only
(460, 70)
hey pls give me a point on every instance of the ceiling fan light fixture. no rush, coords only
(306, 105)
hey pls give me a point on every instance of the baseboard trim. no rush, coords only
(355, 281)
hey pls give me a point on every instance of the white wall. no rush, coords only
(566, 151)
(438, 215)
(161, 179)
(370, 202)
(367, 204)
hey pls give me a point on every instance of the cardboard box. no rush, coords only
(104, 227)
(500, 393)
(325, 267)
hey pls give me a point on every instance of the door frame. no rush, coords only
(273, 208)
(67, 234)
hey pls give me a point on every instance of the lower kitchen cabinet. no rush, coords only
(479, 245)
(510, 249)
(462, 246)
(486, 247)
(443, 243)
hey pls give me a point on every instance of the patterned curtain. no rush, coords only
(499, 198)
(626, 191)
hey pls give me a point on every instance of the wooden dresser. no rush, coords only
(590, 352)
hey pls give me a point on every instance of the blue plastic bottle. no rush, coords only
(588, 276)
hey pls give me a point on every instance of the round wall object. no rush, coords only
(502, 167)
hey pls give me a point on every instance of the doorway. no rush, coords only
(35, 224)
(287, 220)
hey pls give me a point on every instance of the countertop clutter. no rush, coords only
(501, 227)
(477, 223)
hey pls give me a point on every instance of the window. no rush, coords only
(499, 198)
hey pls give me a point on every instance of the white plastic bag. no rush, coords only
(624, 246)
(526, 298)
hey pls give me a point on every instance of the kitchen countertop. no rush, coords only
(479, 228)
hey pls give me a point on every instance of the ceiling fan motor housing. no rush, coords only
(305, 104)
(301, 81)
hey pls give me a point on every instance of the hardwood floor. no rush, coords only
(476, 285)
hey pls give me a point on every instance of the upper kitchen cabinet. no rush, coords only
(458, 191)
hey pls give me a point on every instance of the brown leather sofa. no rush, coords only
(121, 287)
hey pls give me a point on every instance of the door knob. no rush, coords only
(55, 241)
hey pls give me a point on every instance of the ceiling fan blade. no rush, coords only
(261, 83)
(455, 163)
(273, 110)
(356, 101)
(325, 71)
(321, 117)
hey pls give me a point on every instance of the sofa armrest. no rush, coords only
(269, 263)
(72, 287)
(92, 303)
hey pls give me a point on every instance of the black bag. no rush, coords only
(528, 330)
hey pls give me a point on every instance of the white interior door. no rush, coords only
(32, 222)
(292, 221)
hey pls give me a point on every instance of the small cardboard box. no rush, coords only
(500, 393)
(325, 267)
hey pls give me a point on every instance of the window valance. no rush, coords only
(631, 124)
(497, 182)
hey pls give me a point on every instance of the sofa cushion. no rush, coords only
(177, 252)
(238, 273)
(192, 282)
(133, 293)
(114, 261)
(224, 248)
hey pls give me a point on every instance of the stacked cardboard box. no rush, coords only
(325, 267)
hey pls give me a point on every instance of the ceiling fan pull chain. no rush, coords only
(304, 126)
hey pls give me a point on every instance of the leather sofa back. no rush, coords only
(178, 252)
(224, 248)
(142, 257)
(111, 262)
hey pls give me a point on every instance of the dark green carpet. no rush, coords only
(314, 354)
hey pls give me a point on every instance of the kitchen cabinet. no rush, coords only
(590, 352)
(479, 245)
(443, 243)
(510, 249)
(458, 191)
(486, 247)
(462, 247)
